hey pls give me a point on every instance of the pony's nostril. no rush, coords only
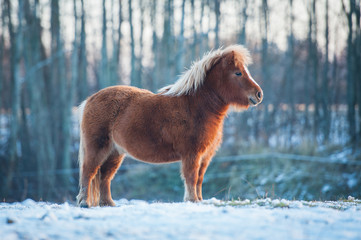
(259, 95)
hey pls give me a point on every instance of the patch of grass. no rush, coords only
(239, 203)
(309, 204)
(281, 205)
(337, 207)
(350, 199)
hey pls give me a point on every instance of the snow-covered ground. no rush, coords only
(211, 219)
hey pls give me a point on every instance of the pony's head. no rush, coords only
(225, 72)
(232, 79)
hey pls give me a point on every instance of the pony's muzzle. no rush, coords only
(257, 98)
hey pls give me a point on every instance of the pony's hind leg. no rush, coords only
(90, 175)
(108, 170)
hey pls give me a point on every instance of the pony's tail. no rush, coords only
(81, 144)
(95, 190)
(95, 183)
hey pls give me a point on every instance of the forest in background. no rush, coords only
(306, 54)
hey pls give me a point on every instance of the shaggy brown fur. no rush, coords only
(161, 128)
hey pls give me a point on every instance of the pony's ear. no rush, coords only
(230, 58)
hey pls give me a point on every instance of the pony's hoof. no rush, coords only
(83, 204)
(194, 200)
(108, 203)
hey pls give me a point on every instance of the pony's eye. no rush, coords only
(238, 73)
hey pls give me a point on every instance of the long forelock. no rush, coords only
(193, 78)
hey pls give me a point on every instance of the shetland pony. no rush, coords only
(183, 122)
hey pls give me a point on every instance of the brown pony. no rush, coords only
(183, 122)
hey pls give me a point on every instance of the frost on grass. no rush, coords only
(342, 204)
(210, 219)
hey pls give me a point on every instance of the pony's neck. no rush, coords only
(210, 102)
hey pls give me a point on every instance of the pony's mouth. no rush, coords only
(253, 102)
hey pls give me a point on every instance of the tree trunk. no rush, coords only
(82, 86)
(67, 116)
(315, 65)
(290, 71)
(15, 58)
(358, 67)
(325, 81)
(351, 97)
(181, 50)
(308, 70)
(217, 10)
(264, 60)
(117, 36)
(38, 122)
(104, 73)
(244, 17)
(59, 97)
(156, 72)
(139, 66)
(167, 46)
(203, 42)
(194, 30)
(2, 43)
(133, 78)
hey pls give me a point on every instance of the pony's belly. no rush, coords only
(147, 155)
(155, 161)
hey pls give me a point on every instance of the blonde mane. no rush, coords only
(193, 78)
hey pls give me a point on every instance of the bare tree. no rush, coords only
(166, 60)
(133, 80)
(116, 41)
(217, 10)
(67, 123)
(181, 49)
(307, 95)
(82, 75)
(156, 72)
(325, 82)
(2, 49)
(38, 128)
(244, 17)
(104, 73)
(314, 67)
(139, 65)
(16, 36)
(358, 65)
(264, 55)
(59, 97)
(351, 96)
(203, 41)
(194, 30)
(288, 87)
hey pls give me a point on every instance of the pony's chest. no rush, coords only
(208, 134)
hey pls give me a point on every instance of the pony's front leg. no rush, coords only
(202, 171)
(190, 169)
(203, 168)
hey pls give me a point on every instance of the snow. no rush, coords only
(210, 219)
